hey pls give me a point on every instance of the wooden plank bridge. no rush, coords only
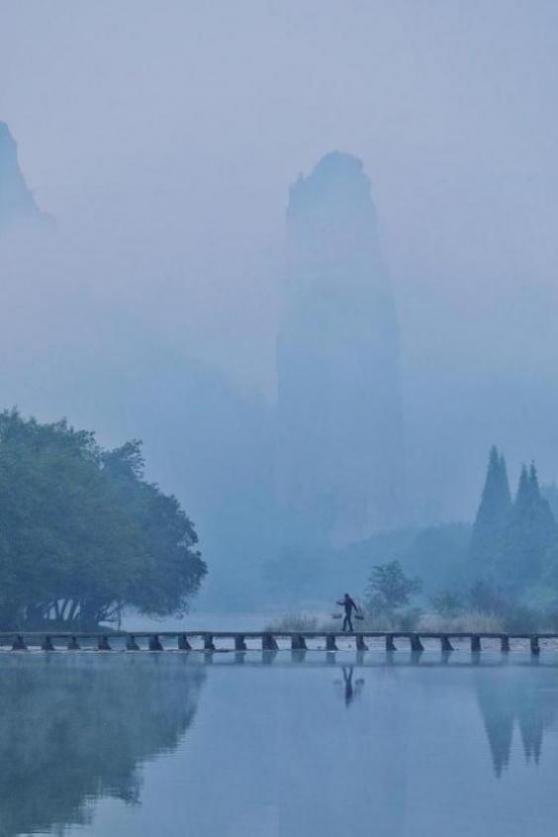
(267, 640)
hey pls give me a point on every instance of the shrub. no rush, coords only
(447, 603)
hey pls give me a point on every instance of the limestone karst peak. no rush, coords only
(338, 182)
(16, 200)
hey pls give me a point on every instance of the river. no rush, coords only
(285, 745)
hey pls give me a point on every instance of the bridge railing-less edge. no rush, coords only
(213, 641)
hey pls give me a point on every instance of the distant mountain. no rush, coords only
(340, 448)
(16, 200)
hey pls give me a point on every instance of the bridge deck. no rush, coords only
(280, 633)
(267, 640)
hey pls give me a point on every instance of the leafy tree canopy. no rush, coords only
(82, 533)
(389, 588)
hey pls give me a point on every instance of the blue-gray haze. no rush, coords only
(164, 138)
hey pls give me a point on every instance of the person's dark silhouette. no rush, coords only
(348, 605)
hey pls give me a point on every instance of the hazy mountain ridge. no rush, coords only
(16, 200)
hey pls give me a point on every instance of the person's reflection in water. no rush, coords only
(350, 691)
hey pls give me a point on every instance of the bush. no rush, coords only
(409, 619)
(487, 598)
(518, 617)
(447, 603)
(389, 589)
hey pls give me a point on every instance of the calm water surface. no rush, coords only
(161, 745)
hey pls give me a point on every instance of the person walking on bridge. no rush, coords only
(348, 606)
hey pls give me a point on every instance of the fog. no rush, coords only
(163, 140)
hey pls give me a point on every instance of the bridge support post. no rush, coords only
(155, 643)
(331, 645)
(103, 644)
(505, 644)
(131, 643)
(208, 644)
(390, 644)
(239, 642)
(19, 644)
(183, 644)
(360, 643)
(446, 644)
(416, 644)
(269, 643)
(47, 644)
(73, 644)
(298, 643)
(475, 644)
(535, 647)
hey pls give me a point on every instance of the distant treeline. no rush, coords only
(83, 534)
(514, 543)
(506, 569)
(500, 570)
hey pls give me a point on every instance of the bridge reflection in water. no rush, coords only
(78, 727)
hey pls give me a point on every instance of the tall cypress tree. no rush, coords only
(492, 516)
(544, 522)
(526, 494)
(505, 492)
(531, 532)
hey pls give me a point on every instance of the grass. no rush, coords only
(468, 622)
(294, 622)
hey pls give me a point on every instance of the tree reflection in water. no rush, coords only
(511, 701)
(76, 728)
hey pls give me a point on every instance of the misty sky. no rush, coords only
(164, 137)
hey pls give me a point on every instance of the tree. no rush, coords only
(390, 589)
(171, 570)
(82, 534)
(550, 493)
(492, 516)
(530, 535)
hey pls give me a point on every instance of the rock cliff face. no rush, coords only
(16, 201)
(340, 459)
